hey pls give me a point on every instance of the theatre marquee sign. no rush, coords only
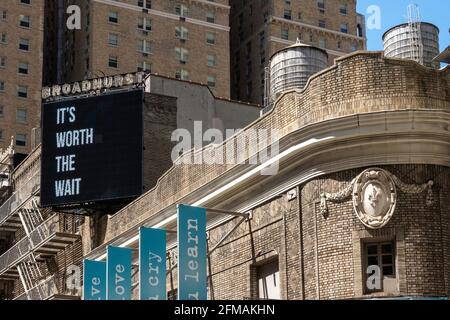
(87, 86)
(92, 149)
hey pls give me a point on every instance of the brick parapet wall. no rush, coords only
(425, 229)
(359, 83)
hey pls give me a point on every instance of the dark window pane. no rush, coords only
(386, 248)
(388, 271)
(372, 261)
(387, 259)
(372, 249)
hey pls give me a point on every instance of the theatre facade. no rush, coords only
(356, 204)
(359, 205)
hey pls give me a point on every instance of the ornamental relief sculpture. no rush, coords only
(374, 196)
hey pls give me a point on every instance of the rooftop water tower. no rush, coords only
(414, 40)
(291, 68)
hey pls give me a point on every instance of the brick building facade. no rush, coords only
(181, 39)
(261, 28)
(365, 112)
(21, 62)
(368, 123)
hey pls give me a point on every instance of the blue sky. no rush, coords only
(393, 12)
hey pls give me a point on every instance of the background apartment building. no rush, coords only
(187, 40)
(259, 28)
(21, 61)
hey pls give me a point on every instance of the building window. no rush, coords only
(24, 44)
(268, 276)
(22, 68)
(21, 116)
(25, 1)
(3, 38)
(382, 257)
(144, 24)
(288, 14)
(2, 111)
(210, 17)
(22, 91)
(359, 31)
(2, 62)
(181, 10)
(181, 33)
(285, 34)
(21, 140)
(2, 86)
(113, 62)
(144, 46)
(321, 4)
(24, 21)
(212, 81)
(344, 27)
(343, 9)
(3, 14)
(144, 66)
(182, 55)
(113, 39)
(182, 74)
(147, 4)
(322, 43)
(210, 38)
(211, 60)
(113, 17)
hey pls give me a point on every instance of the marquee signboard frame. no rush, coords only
(92, 149)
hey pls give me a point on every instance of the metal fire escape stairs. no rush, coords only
(30, 273)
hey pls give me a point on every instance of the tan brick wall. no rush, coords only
(163, 42)
(331, 238)
(248, 24)
(351, 87)
(34, 57)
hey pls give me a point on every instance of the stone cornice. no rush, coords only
(383, 138)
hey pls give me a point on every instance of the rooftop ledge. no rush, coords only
(359, 83)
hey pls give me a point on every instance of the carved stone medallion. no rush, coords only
(374, 198)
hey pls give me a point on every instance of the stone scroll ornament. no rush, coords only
(374, 196)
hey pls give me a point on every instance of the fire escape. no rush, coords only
(42, 238)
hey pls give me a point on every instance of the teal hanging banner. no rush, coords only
(94, 275)
(152, 264)
(192, 277)
(118, 284)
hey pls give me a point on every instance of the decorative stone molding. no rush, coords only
(335, 197)
(416, 189)
(375, 196)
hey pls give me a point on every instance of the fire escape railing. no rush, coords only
(18, 198)
(42, 291)
(29, 243)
